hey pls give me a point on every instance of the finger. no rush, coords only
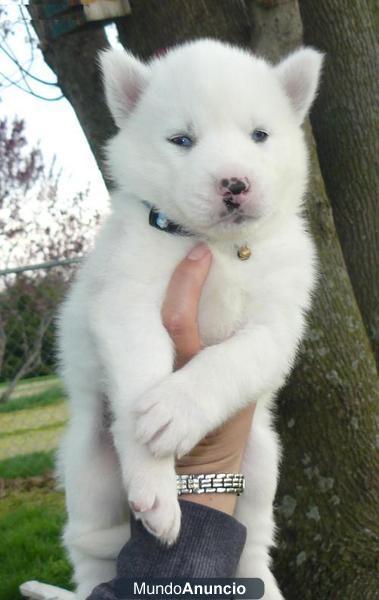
(180, 308)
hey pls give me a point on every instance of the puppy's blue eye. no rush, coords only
(182, 140)
(259, 135)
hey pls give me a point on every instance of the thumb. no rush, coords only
(180, 308)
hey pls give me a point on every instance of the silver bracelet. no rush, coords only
(221, 483)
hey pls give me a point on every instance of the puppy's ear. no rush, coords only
(299, 75)
(125, 78)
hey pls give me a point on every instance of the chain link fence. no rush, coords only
(33, 409)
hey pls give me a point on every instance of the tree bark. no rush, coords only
(345, 121)
(158, 24)
(73, 58)
(327, 497)
(326, 502)
(326, 510)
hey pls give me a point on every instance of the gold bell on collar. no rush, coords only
(244, 252)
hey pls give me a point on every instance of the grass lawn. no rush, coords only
(27, 465)
(31, 520)
(32, 385)
(30, 528)
(50, 395)
(31, 424)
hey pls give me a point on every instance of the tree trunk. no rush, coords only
(158, 24)
(346, 127)
(73, 58)
(326, 511)
(327, 497)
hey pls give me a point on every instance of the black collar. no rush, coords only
(159, 220)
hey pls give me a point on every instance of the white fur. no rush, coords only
(112, 341)
(41, 591)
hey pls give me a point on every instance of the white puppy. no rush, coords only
(210, 135)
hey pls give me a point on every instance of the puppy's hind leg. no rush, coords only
(97, 526)
(254, 508)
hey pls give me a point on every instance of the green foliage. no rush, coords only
(30, 529)
(25, 303)
(27, 465)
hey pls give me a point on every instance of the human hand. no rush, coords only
(221, 451)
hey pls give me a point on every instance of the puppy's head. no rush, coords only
(211, 134)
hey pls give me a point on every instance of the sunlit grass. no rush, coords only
(31, 426)
(31, 522)
(27, 465)
(52, 395)
(30, 529)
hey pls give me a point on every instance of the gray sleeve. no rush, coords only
(210, 544)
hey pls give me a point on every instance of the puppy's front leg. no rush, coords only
(138, 354)
(215, 384)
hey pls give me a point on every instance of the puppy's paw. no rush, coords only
(34, 590)
(169, 421)
(158, 509)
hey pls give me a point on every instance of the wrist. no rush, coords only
(225, 502)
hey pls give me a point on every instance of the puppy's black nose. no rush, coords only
(236, 187)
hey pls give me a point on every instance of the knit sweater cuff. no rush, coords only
(210, 544)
